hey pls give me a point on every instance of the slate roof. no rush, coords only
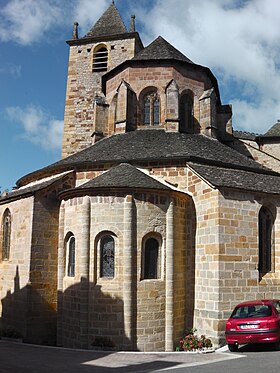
(274, 131)
(245, 180)
(110, 23)
(152, 146)
(124, 176)
(243, 135)
(160, 49)
(24, 192)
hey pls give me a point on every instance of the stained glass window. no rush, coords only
(107, 256)
(71, 257)
(186, 114)
(6, 235)
(265, 240)
(151, 109)
(151, 258)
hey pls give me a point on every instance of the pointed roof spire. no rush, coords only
(110, 23)
(160, 49)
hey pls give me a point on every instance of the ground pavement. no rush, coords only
(26, 358)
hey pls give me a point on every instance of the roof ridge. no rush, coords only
(160, 49)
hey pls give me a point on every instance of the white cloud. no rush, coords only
(87, 12)
(26, 21)
(38, 127)
(238, 40)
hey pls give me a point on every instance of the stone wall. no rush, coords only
(82, 87)
(128, 310)
(226, 259)
(42, 290)
(15, 271)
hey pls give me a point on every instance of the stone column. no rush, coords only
(82, 257)
(60, 272)
(128, 285)
(169, 323)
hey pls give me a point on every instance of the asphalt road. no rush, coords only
(24, 358)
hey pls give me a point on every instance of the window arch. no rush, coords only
(71, 256)
(266, 222)
(151, 258)
(6, 235)
(186, 113)
(107, 256)
(100, 59)
(151, 109)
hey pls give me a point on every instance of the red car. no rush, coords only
(255, 321)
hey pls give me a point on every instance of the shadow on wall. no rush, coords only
(190, 268)
(88, 318)
(26, 314)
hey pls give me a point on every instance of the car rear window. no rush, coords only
(257, 310)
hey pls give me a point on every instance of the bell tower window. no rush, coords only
(100, 59)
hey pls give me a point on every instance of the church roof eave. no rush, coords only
(96, 39)
(143, 147)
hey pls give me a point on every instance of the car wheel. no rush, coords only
(233, 347)
(277, 346)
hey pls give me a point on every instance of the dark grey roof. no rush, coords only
(110, 23)
(243, 135)
(152, 146)
(247, 180)
(124, 176)
(274, 131)
(160, 49)
(24, 192)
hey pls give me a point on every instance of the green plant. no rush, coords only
(190, 341)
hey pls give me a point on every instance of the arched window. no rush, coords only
(71, 257)
(6, 235)
(151, 109)
(266, 221)
(186, 114)
(107, 256)
(100, 59)
(151, 258)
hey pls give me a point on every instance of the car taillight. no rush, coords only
(273, 323)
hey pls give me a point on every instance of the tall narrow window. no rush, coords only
(186, 114)
(151, 258)
(151, 109)
(100, 59)
(71, 257)
(6, 229)
(265, 240)
(107, 256)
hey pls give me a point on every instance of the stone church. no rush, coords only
(158, 218)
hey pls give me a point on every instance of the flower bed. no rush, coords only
(192, 342)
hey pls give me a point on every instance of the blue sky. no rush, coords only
(237, 40)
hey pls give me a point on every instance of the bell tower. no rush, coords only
(105, 46)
